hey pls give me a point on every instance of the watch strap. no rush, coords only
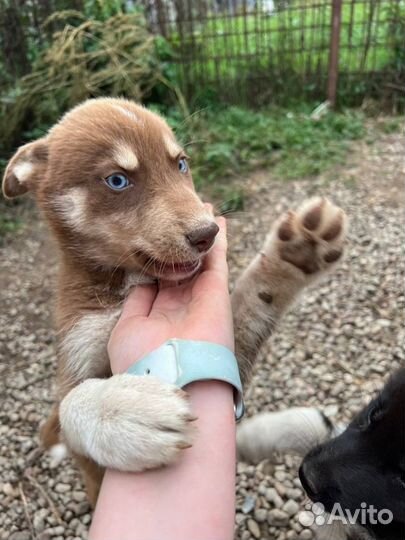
(181, 362)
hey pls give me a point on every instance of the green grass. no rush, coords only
(225, 143)
(391, 125)
(288, 44)
(8, 224)
(10, 220)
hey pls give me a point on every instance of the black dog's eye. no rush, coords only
(117, 181)
(183, 167)
(374, 415)
(370, 417)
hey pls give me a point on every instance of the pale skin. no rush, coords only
(194, 497)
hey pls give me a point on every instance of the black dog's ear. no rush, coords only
(25, 168)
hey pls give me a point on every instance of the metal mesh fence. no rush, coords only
(267, 51)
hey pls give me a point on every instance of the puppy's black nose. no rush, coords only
(203, 237)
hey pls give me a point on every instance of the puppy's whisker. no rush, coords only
(311, 437)
(195, 141)
(235, 215)
(123, 258)
(191, 116)
(145, 268)
(126, 255)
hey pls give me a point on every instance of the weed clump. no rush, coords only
(87, 58)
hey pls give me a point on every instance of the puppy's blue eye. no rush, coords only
(117, 182)
(183, 167)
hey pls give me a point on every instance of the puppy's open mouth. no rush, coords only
(186, 268)
(172, 270)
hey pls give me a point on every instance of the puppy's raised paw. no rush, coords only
(312, 238)
(127, 422)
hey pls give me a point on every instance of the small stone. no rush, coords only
(20, 535)
(254, 528)
(291, 507)
(273, 497)
(280, 488)
(260, 515)
(248, 504)
(39, 520)
(378, 368)
(44, 536)
(277, 517)
(294, 493)
(8, 489)
(239, 518)
(241, 467)
(52, 520)
(81, 508)
(67, 516)
(280, 476)
(306, 534)
(62, 488)
(338, 389)
(79, 496)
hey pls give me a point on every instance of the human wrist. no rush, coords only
(125, 351)
(181, 362)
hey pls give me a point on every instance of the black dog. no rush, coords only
(364, 467)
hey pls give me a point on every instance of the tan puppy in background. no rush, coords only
(117, 192)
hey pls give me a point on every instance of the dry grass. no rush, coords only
(87, 58)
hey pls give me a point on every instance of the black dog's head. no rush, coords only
(366, 463)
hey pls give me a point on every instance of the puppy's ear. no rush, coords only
(26, 168)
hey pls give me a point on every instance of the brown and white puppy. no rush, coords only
(117, 192)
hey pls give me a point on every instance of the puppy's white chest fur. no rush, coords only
(85, 346)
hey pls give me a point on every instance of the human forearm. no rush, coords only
(193, 498)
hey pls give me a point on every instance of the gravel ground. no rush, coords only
(332, 351)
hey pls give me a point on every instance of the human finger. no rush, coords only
(216, 258)
(139, 302)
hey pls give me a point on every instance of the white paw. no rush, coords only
(127, 422)
(296, 430)
(312, 238)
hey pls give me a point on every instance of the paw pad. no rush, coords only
(285, 231)
(312, 218)
(312, 238)
(332, 256)
(334, 229)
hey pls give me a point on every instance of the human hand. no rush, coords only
(199, 309)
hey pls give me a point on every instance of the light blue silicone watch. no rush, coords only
(181, 362)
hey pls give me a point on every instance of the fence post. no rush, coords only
(161, 19)
(334, 51)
